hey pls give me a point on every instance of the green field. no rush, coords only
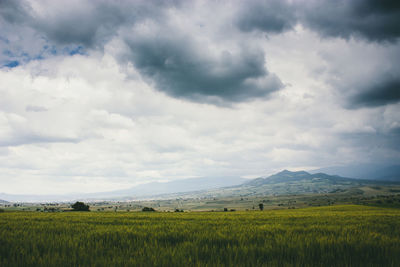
(347, 235)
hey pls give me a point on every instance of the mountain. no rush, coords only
(288, 183)
(282, 183)
(299, 176)
(378, 172)
(177, 186)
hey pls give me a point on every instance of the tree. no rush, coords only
(148, 209)
(80, 206)
(261, 206)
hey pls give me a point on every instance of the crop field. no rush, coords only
(347, 235)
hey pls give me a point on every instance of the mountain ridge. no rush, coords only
(282, 183)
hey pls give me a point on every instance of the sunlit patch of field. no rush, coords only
(347, 235)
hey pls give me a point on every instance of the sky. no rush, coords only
(104, 95)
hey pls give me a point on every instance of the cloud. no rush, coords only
(379, 93)
(102, 130)
(16, 130)
(34, 138)
(372, 20)
(273, 16)
(87, 23)
(171, 57)
(371, 85)
(37, 30)
(31, 108)
(361, 74)
(14, 11)
(184, 67)
(183, 60)
(108, 94)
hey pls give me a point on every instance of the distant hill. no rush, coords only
(365, 171)
(2, 202)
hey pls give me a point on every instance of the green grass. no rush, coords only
(327, 236)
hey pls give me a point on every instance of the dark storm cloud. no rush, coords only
(176, 64)
(386, 92)
(87, 27)
(373, 20)
(273, 16)
(14, 11)
(91, 23)
(172, 60)
(395, 132)
(184, 69)
(98, 21)
(367, 20)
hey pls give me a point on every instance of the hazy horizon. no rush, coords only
(102, 95)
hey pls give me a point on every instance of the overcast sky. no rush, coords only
(102, 95)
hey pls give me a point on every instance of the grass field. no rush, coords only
(347, 235)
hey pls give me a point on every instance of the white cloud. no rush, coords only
(95, 122)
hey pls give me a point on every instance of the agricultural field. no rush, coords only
(336, 235)
(372, 195)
